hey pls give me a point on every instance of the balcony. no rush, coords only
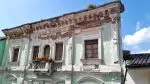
(40, 65)
(57, 65)
(91, 64)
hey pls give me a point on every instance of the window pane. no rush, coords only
(47, 51)
(95, 45)
(89, 51)
(59, 51)
(91, 48)
(35, 52)
(15, 55)
(89, 55)
(95, 51)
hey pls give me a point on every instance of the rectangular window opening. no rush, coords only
(59, 51)
(15, 55)
(91, 49)
(35, 52)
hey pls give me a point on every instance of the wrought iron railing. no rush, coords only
(38, 65)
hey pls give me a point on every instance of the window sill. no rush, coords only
(91, 61)
(14, 63)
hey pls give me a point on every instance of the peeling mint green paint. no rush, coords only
(107, 78)
(2, 48)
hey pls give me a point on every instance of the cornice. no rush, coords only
(81, 19)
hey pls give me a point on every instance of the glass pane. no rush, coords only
(89, 46)
(35, 52)
(59, 51)
(95, 45)
(89, 51)
(95, 51)
(16, 53)
(46, 51)
(95, 56)
(89, 55)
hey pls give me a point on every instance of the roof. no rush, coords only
(80, 11)
(138, 60)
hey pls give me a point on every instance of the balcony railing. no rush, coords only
(38, 65)
(57, 65)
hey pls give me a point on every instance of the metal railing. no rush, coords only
(39, 66)
(57, 65)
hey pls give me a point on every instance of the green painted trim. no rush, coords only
(2, 49)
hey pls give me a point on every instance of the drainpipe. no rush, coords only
(119, 43)
(73, 49)
(28, 52)
(125, 75)
(72, 57)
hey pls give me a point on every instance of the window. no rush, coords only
(15, 54)
(59, 51)
(35, 52)
(46, 51)
(91, 49)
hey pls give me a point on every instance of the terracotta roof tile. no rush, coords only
(139, 60)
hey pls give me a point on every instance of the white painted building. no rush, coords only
(82, 47)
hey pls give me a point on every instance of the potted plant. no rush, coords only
(43, 58)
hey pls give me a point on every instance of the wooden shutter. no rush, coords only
(35, 52)
(47, 51)
(59, 51)
(91, 49)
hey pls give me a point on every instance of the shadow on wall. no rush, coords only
(138, 76)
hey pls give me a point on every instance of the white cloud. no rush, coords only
(145, 51)
(140, 36)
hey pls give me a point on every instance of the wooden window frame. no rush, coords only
(14, 53)
(61, 52)
(33, 52)
(45, 50)
(91, 43)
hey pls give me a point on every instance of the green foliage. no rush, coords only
(91, 6)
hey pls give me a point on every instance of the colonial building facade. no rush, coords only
(82, 47)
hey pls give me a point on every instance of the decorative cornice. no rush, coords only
(81, 19)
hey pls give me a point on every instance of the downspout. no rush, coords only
(125, 75)
(119, 43)
(72, 57)
(28, 52)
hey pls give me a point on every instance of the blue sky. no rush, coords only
(135, 19)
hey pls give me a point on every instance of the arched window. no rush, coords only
(46, 51)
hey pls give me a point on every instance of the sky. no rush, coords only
(135, 19)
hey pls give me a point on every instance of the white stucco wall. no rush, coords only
(22, 44)
(107, 46)
(138, 76)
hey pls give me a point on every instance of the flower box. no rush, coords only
(43, 58)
